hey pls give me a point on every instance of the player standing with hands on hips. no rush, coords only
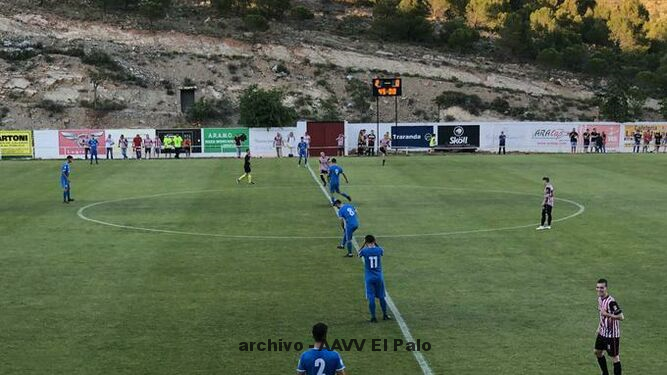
(609, 330)
(547, 204)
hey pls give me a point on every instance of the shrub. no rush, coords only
(301, 13)
(51, 106)
(264, 108)
(210, 109)
(255, 22)
(104, 105)
(500, 105)
(471, 103)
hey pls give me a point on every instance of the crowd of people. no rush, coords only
(648, 139)
(140, 147)
(366, 143)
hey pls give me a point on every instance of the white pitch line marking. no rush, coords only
(419, 357)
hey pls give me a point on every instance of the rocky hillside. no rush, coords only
(47, 60)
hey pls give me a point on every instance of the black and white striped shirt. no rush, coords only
(609, 327)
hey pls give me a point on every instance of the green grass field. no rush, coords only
(78, 297)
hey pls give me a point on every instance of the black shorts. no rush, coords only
(612, 345)
(147, 150)
(324, 172)
(383, 150)
(246, 169)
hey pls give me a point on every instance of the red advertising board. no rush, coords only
(613, 133)
(72, 141)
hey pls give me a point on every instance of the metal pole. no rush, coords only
(396, 110)
(377, 124)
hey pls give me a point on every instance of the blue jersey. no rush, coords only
(303, 147)
(92, 143)
(64, 170)
(320, 362)
(372, 262)
(349, 214)
(334, 174)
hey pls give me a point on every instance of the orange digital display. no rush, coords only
(387, 87)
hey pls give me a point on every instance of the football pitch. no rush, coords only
(167, 267)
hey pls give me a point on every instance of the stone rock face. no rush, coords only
(17, 83)
(63, 95)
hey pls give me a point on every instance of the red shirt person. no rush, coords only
(136, 142)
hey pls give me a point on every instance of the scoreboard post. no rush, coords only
(392, 87)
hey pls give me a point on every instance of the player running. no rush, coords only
(547, 204)
(320, 360)
(246, 169)
(350, 222)
(334, 180)
(609, 330)
(302, 147)
(324, 167)
(385, 143)
(372, 254)
(64, 179)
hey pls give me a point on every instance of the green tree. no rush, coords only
(595, 31)
(272, 8)
(543, 21)
(211, 109)
(486, 14)
(663, 108)
(264, 108)
(626, 24)
(463, 39)
(404, 20)
(515, 35)
(448, 9)
(255, 22)
(614, 106)
(550, 58)
(154, 9)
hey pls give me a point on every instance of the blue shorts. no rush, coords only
(374, 288)
(64, 183)
(349, 232)
(303, 154)
(334, 188)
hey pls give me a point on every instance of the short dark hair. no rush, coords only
(545, 179)
(69, 157)
(369, 238)
(602, 281)
(333, 160)
(320, 332)
(337, 201)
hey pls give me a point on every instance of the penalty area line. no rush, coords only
(407, 335)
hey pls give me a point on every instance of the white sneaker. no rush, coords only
(540, 228)
(547, 227)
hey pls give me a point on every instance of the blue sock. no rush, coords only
(68, 195)
(349, 246)
(383, 305)
(371, 306)
(64, 195)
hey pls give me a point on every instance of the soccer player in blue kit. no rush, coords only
(64, 179)
(372, 254)
(334, 180)
(92, 144)
(320, 360)
(350, 220)
(302, 147)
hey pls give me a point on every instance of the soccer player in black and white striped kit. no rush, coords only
(609, 329)
(547, 204)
